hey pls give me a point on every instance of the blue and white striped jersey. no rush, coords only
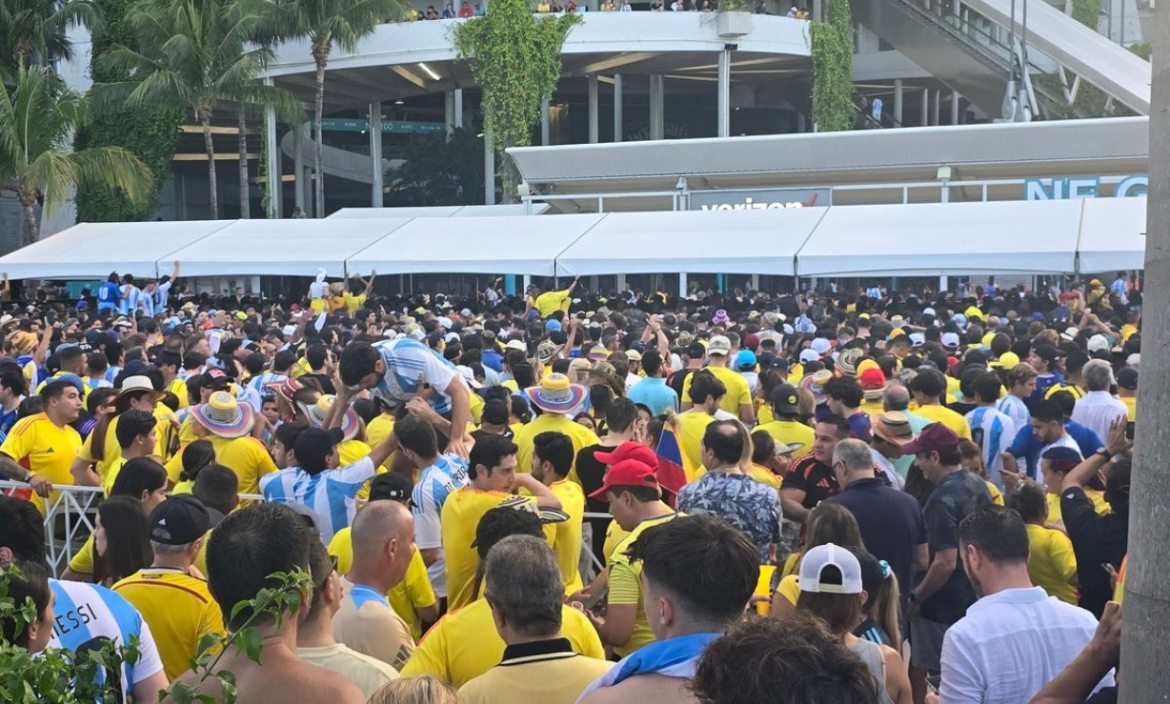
(993, 432)
(446, 476)
(407, 361)
(331, 494)
(87, 616)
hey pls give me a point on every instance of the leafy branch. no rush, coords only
(59, 676)
(274, 603)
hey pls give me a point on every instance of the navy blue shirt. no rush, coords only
(1028, 447)
(955, 496)
(891, 523)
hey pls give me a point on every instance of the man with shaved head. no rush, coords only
(383, 545)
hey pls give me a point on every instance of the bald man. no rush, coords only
(383, 545)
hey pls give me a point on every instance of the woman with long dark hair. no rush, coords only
(141, 479)
(101, 448)
(121, 540)
(196, 456)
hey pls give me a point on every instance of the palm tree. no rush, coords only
(198, 54)
(33, 31)
(38, 117)
(325, 23)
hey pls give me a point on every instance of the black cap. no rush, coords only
(1048, 353)
(391, 486)
(778, 363)
(313, 446)
(180, 520)
(785, 400)
(1127, 378)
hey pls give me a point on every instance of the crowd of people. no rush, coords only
(876, 496)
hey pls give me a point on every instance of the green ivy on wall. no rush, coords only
(149, 134)
(831, 49)
(516, 60)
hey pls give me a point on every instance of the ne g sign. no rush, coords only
(1084, 187)
(760, 199)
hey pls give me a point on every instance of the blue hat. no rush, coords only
(552, 325)
(72, 379)
(745, 361)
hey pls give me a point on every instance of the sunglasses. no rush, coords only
(332, 569)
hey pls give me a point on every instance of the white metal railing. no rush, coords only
(69, 513)
(680, 199)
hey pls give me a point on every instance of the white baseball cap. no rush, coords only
(813, 565)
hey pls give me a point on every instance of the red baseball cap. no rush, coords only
(627, 473)
(629, 451)
(935, 437)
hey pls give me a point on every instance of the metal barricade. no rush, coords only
(69, 520)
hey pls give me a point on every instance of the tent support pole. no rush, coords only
(682, 285)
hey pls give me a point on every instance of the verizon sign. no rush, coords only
(761, 199)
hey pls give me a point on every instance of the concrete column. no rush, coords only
(300, 177)
(954, 107)
(617, 112)
(449, 112)
(682, 285)
(458, 108)
(593, 109)
(545, 126)
(925, 120)
(755, 282)
(489, 169)
(621, 282)
(934, 108)
(376, 154)
(274, 182)
(657, 106)
(898, 101)
(1147, 593)
(724, 98)
(943, 282)
(527, 283)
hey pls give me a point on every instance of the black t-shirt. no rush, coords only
(591, 471)
(955, 496)
(1096, 539)
(479, 434)
(962, 408)
(677, 380)
(891, 524)
(814, 478)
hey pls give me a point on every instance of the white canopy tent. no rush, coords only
(282, 247)
(1003, 237)
(437, 211)
(940, 239)
(92, 250)
(731, 242)
(1113, 235)
(514, 245)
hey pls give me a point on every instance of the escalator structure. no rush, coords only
(1058, 69)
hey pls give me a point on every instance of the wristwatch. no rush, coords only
(1104, 452)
